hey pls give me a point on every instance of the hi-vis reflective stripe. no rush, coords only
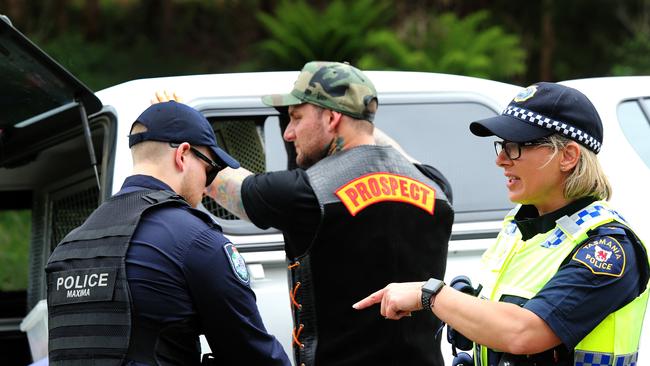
(377, 187)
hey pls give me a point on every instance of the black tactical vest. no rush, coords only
(89, 304)
(382, 221)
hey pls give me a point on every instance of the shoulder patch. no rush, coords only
(237, 263)
(603, 255)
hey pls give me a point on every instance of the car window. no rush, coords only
(438, 134)
(634, 120)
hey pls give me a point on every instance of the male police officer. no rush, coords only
(147, 273)
(353, 216)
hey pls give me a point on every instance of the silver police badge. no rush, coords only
(525, 94)
(237, 263)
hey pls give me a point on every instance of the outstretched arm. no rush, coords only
(497, 325)
(226, 190)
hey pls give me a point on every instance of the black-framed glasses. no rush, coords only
(214, 166)
(513, 149)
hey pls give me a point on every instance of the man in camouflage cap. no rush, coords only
(333, 87)
(354, 215)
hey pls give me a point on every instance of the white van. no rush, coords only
(67, 148)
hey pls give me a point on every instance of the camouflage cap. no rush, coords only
(331, 85)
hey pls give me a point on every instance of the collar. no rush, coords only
(530, 223)
(144, 181)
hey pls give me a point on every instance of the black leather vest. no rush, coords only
(89, 304)
(382, 221)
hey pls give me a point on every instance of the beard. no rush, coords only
(306, 160)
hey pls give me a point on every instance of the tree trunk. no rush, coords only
(15, 10)
(547, 44)
(91, 19)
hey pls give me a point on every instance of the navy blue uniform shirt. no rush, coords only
(178, 267)
(584, 292)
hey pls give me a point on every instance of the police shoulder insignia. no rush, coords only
(237, 263)
(603, 255)
(525, 94)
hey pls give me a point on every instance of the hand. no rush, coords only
(163, 96)
(397, 300)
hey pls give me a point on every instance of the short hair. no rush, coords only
(587, 178)
(359, 125)
(146, 150)
(362, 126)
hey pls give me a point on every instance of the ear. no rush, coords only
(334, 120)
(180, 156)
(570, 156)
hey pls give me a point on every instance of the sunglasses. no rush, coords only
(513, 149)
(214, 167)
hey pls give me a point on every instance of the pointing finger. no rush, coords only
(374, 298)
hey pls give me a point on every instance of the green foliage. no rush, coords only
(357, 32)
(14, 249)
(299, 33)
(445, 43)
(100, 65)
(633, 55)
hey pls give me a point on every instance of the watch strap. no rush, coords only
(426, 300)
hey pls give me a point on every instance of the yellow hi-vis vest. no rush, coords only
(521, 268)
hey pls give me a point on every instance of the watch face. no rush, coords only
(429, 289)
(432, 286)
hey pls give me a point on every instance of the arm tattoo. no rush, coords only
(226, 190)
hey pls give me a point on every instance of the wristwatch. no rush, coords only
(429, 290)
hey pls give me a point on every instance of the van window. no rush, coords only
(15, 226)
(62, 191)
(276, 154)
(243, 138)
(438, 134)
(15, 230)
(634, 120)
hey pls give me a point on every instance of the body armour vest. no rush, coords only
(516, 269)
(382, 221)
(89, 304)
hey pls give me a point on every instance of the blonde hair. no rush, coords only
(146, 150)
(587, 178)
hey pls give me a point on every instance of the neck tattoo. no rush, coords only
(335, 145)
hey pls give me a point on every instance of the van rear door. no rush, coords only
(56, 148)
(37, 95)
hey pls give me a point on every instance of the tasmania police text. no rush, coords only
(377, 187)
(604, 256)
(80, 285)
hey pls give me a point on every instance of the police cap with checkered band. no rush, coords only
(544, 109)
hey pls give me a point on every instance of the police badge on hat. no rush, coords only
(525, 94)
(237, 263)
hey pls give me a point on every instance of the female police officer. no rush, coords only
(565, 281)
